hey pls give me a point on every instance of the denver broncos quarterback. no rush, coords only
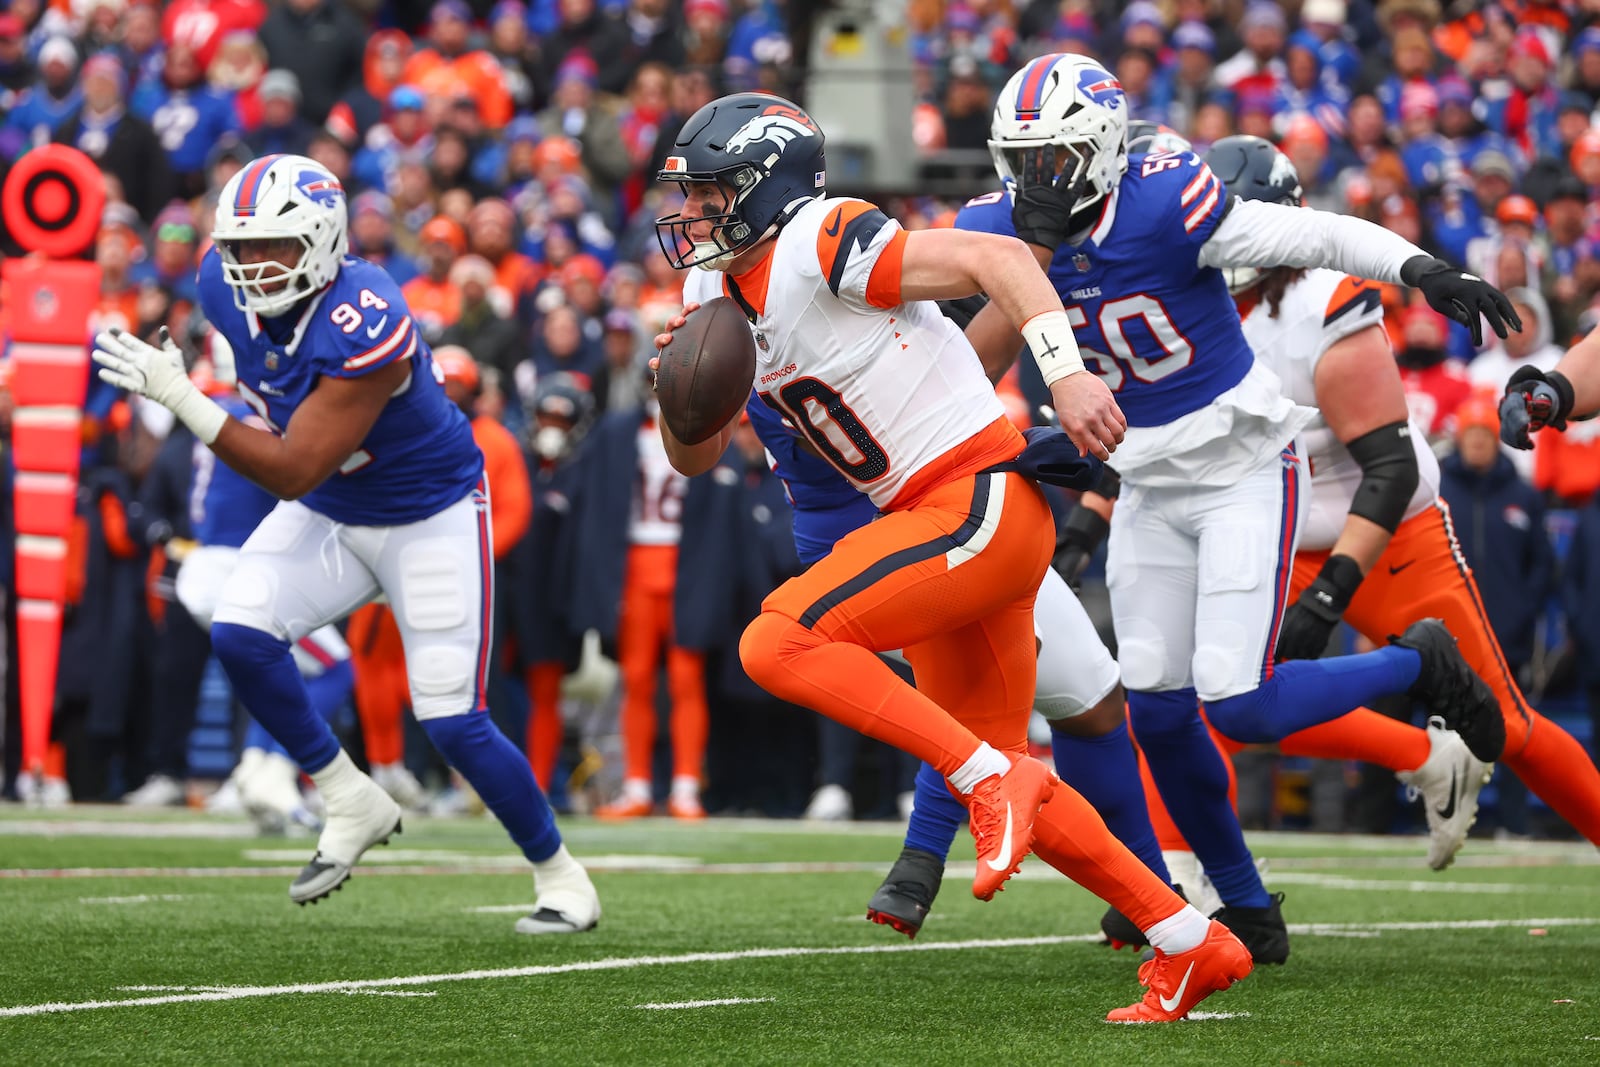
(1213, 487)
(381, 490)
(853, 350)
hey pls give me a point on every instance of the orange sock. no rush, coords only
(851, 685)
(1070, 836)
(691, 722)
(1362, 735)
(381, 695)
(55, 760)
(544, 720)
(1559, 772)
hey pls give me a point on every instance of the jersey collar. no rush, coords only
(254, 322)
(1102, 229)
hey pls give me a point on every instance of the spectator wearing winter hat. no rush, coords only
(1190, 77)
(54, 95)
(1327, 22)
(1586, 65)
(122, 144)
(450, 63)
(174, 256)
(435, 302)
(579, 112)
(404, 137)
(1142, 25)
(968, 105)
(323, 44)
(1305, 142)
(1260, 63)
(1527, 115)
(1428, 157)
(1255, 106)
(1139, 71)
(1565, 219)
(707, 25)
(118, 247)
(515, 50)
(484, 326)
(382, 71)
(282, 128)
(192, 115)
(583, 28)
(620, 383)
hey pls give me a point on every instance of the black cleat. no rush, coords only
(1261, 929)
(903, 900)
(1453, 691)
(1120, 931)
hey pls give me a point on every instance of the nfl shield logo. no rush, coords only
(1081, 262)
(272, 361)
(761, 342)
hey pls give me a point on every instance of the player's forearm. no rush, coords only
(1581, 367)
(271, 461)
(994, 339)
(1258, 234)
(1363, 541)
(690, 460)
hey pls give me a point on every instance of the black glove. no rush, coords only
(1309, 622)
(1082, 534)
(1533, 400)
(1041, 209)
(1460, 296)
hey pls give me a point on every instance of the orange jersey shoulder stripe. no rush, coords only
(1350, 294)
(831, 237)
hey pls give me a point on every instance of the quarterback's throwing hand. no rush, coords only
(1088, 413)
(129, 363)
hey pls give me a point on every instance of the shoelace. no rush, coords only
(1147, 969)
(332, 538)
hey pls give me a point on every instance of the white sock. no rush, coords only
(560, 867)
(685, 786)
(1180, 932)
(339, 779)
(983, 763)
(636, 789)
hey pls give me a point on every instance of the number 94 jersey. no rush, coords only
(419, 457)
(881, 388)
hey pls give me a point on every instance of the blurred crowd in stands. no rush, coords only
(499, 157)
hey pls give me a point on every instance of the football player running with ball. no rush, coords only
(382, 492)
(1213, 488)
(854, 351)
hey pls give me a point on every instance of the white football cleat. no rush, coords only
(565, 900)
(1448, 782)
(158, 791)
(831, 803)
(360, 815)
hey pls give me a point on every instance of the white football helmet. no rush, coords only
(1070, 102)
(281, 198)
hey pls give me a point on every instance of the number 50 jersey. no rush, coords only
(419, 457)
(886, 391)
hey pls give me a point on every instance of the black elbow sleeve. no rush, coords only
(1389, 474)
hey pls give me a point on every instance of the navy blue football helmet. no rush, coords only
(1253, 169)
(767, 154)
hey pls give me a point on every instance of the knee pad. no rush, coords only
(247, 599)
(443, 681)
(239, 646)
(1142, 658)
(1172, 712)
(1223, 661)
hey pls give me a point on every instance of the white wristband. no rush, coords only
(1054, 348)
(201, 414)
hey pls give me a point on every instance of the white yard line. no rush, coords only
(706, 1003)
(140, 899)
(1333, 881)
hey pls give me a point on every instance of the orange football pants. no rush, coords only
(1422, 574)
(644, 629)
(951, 580)
(382, 689)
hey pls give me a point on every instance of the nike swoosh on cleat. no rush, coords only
(1450, 808)
(1177, 998)
(833, 230)
(1396, 570)
(373, 331)
(1002, 859)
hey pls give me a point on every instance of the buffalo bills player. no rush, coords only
(1203, 537)
(381, 491)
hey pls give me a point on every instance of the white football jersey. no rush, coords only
(1318, 310)
(881, 388)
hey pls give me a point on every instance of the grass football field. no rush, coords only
(169, 938)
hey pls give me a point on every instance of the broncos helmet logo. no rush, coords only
(780, 130)
(1284, 176)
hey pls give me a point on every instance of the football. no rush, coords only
(704, 376)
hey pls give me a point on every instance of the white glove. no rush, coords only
(129, 363)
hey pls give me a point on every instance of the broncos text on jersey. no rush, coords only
(1149, 320)
(419, 457)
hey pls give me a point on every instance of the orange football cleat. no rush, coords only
(687, 807)
(1175, 984)
(1002, 810)
(624, 808)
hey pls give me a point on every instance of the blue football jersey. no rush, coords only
(1159, 329)
(189, 122)
(826, 506)
(225, 507)
(419, 457)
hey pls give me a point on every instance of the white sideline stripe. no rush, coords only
(142, 898)
(613, 964)
(1331, 881)
(707, 1003)
(389, 992)
(1443, 924)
